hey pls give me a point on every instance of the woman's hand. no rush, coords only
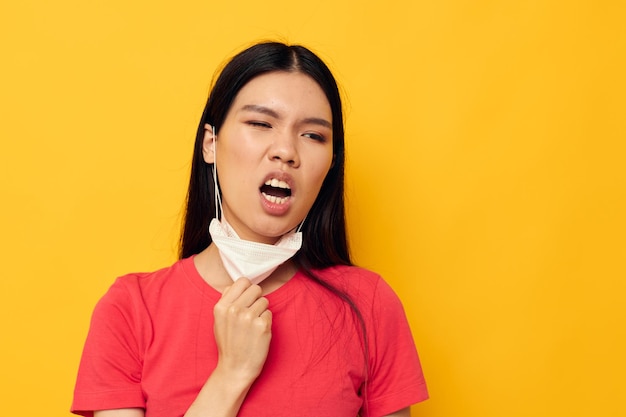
(242, 330)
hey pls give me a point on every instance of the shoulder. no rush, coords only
(355, 279)
(394, 371)
(155, 280)
(365, 287)
(134, 302)
(146, 287)
(348, 275)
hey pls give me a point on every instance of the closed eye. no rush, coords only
(256, 123)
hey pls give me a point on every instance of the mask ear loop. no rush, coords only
(218, 198)
(299, 228)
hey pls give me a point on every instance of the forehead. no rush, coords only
(290, 92)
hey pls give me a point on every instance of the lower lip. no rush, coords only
(273, 208)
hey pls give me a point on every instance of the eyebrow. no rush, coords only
(318, 121)
(266, 110)
(260, 109)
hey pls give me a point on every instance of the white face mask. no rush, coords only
(244, 258)
(253, 260)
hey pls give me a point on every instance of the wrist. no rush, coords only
(234, 378)
(222, 394)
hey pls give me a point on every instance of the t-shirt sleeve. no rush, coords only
(395, 379)
(109, 374)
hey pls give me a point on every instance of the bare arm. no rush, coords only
(122, 412)
(405, 412)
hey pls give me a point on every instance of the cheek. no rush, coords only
(237, 156)
(234, 152)
(328, 163)
(321, 170)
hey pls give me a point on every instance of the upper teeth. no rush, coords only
(276, 183)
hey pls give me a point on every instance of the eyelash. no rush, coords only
(255, 123)
(314, 136)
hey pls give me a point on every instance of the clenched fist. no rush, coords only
(243, 329)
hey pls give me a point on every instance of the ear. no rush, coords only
(208, 144)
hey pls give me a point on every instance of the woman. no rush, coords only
(264, 314)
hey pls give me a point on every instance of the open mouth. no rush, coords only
(276, 191)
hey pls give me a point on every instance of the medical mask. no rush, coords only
(243, 258)
(253, 260)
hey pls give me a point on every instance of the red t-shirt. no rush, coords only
(151, 345)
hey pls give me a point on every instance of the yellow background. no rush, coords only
(486, 179)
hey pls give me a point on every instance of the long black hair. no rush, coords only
(325, 241)
(324, 232)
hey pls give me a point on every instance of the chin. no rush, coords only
(273, 233)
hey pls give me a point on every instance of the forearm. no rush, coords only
(221, 396)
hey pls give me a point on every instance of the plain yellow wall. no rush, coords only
(486, 179)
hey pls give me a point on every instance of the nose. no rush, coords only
(284, 149)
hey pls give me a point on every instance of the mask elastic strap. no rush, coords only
(218, 198)
(299, 229)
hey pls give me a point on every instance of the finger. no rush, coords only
(248, 296)
(259, 306)
(267, 316)
(232, 292)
